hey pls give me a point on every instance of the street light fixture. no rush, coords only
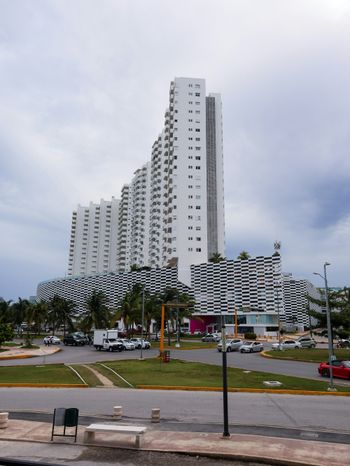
(329, 327)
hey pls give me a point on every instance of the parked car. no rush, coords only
(307, 342)
(197, 332)
(138, 342)
(340, 369)
(52, 340)
(251, 347)
(343, 343)
(287, 344)
(127, 344)
(231, 345)
(213, 337)
(74, 339)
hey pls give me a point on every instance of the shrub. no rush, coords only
(250, 336)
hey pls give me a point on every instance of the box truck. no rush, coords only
(107, 340)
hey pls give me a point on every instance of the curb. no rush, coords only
(43, 385)
(269, 356)
(26, 356)
(241, 390)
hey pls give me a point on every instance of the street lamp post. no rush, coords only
(226, 432)
(277, 247)
(329, 327)
(142, 321)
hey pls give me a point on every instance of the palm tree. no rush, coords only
(37, 314)
(172, 295)
(97, 313)
(131, 307)
(54, 312)
(19, 313)
(152, 310)
(243, 255)
(5, 312)
(216, 258)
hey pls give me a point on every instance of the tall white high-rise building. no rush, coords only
(172, 211)
(187, 193)
(93, 241)
(134, 221)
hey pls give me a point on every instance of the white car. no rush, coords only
(127, 344)
(52, 340)
(251, 347)
(231, 345)
(287, 344)
(138, 342)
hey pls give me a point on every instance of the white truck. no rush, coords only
(107, 340)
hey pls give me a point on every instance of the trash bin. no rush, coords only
(166, 356)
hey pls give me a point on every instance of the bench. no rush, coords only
(91, 430)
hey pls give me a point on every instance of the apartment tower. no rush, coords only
(172, 211)
(187, 193)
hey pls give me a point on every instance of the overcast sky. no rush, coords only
(83, 89)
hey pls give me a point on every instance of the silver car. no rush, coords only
(251, 347)
(287, 344)
(231, 345)
(307, 342)
(127, 345)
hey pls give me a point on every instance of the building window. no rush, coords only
(198, 249)
(190, 217)
(197, 94)
(190, 249)
(198, 238)
(198, 207)
(190, 238)
(198, 130)
(198, 167)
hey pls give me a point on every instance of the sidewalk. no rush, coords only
(22, 353)
(239, 447)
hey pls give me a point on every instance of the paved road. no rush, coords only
(201, 408)
(255, 362)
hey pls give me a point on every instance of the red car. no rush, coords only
(341, 369)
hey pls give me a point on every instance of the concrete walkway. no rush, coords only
(18, 352)
(239, 447)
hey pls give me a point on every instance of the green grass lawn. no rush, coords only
(51, 373)
(11, 343)
(180, 373)
(89, 377)
(308, 354)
